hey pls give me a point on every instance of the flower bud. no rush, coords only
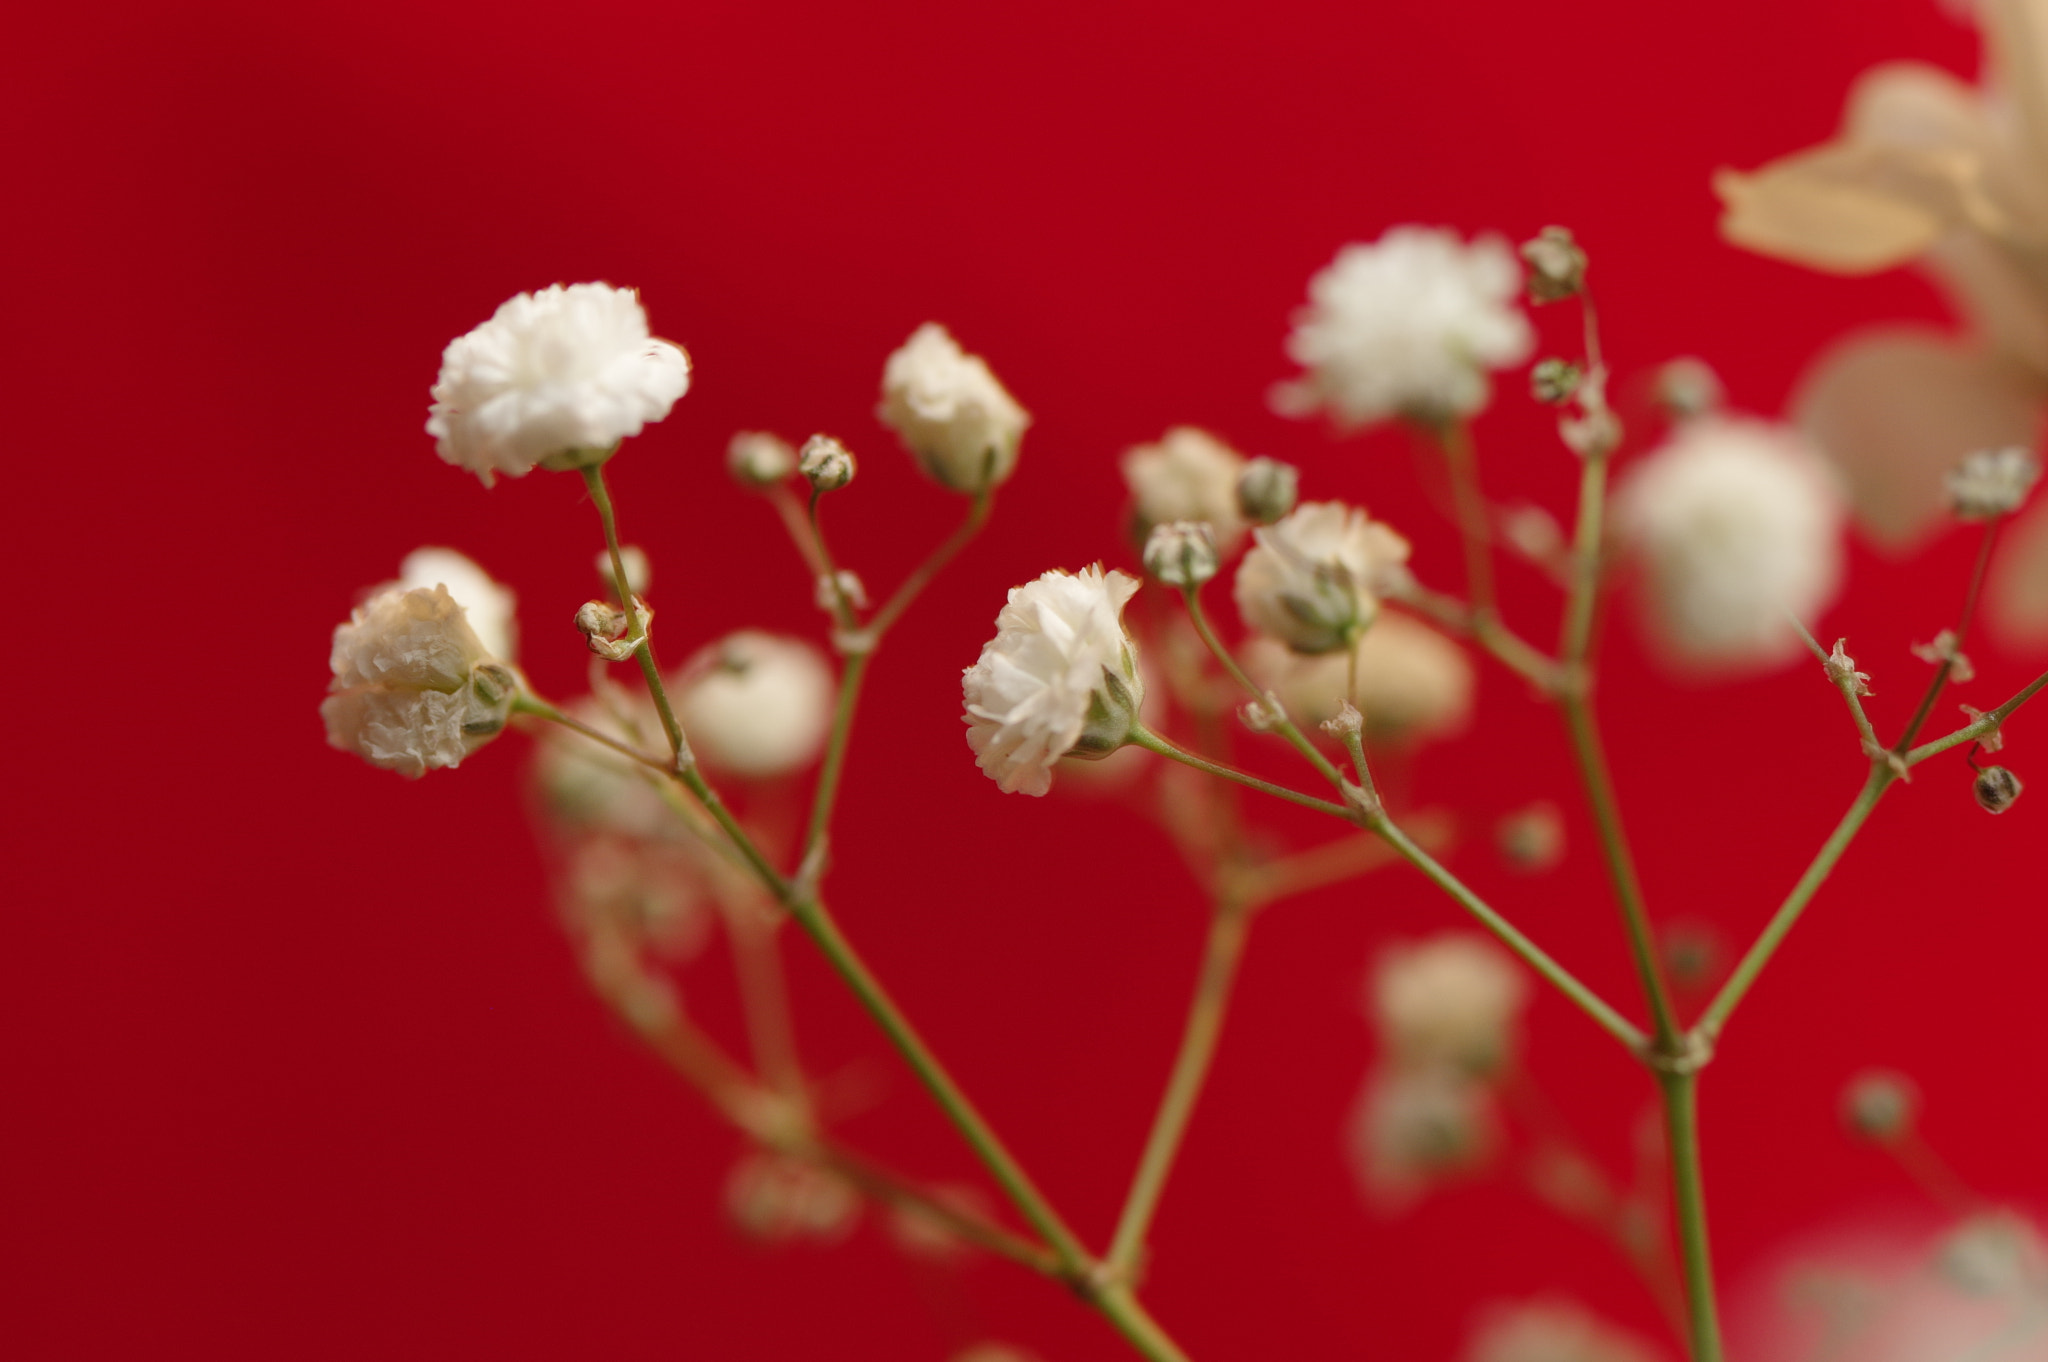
(1188, 475)
(1314, 579)
(826, 464)
(1689, 387)
(756, 458)
(600, 620)
(1996, 788)
(1553, 381)
(639, 572)
(1267, 489)
(1531, 839)
(1992, 482)
(1557, 266)
(1181, 553)
(1879, 1105)
(959, 423)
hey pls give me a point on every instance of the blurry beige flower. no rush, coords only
(1414, 1127)
(756, 704)
(1188, 475)
(779, 1198)
(1451, 1001)
(1314, 578)
(1553, 1331)
(1413, 683)
(485, 604)
(962, 425)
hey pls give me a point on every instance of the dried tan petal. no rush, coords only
(1895, 410)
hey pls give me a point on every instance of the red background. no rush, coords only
(296, 1063)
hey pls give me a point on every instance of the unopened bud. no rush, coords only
(756, 458)
(639, 572)
(1267, 490)
(826, 464)
(1557, 266)
(1553, 381)
(1532, 838)
(1347, 723)
(1181, 553)
(1992, 482)
(600, 619)
(1996, 788)
(846, 585)
(1687, 387)
(1262, 716)
(1879, 1105)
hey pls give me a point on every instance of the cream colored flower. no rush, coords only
(554, 379)
(414, 688)
(1450, 1001)
(1554, 1331)
(1413, 683)
(1060, 678)
(1737, 524)
(1188, 475)
(1314, 578)
(961, 424)
(1413, 1127)
(1928, 168)
(1407, 326)
(756, 704)
(485, 604)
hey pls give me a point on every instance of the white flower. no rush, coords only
(487, 605)
(1188, 475)
(1992, 482)
(554, 379)
(413, 688)
(1407, 326)
(1314, 578)
(1411, 1127)
(1738, 523)
(951, 413)
(1554, 1331)
(1060, 678)
(756, 704)
(1413, 683)
(1451, 1001)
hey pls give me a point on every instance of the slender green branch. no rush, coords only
(1846, 682)
(1575, 643)
(853, 670)
(526, 702)
(636, 627)
(1711, 1022)
(1530, 954)
(1508, 648)
(790, 511)
(1285, 727)
(1152, 742)
(1947, 664)
(977, 516)
(1333, 862)
(1976, 730)
(842, 606)
(884, 1185)
(1688, 1191)
(1221, 954)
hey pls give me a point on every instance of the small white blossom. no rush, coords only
(962, 425)
(414, 688)
(1452, 1000)
(1267, 490)
(756, 458)
(825, 463)
(1314, 579)
(554, 379)
(1738, 524)
(1181, 553)
(1531, 838)
(485, 604)
(1413, 683)
(1554, 1331)
(1407, 326)
(1412, 1127)
(1188, 475)
(639, 570)
(756, 704)
(1992, 482)
(1557, 265)
(1060, 678)
(1880, 1105)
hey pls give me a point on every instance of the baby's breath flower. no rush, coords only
(554, 379)
(414, 688)
(1554, 1331)
(755, 704)
(487, 605)
(825, 463)
(1879, 1105)
(1181, 553)
(756, 458)
(1407, 326)
(1413, 683)
(1267, 490)
(1060, 678)
(962, 425)
(1412, 1127)
(1188, 475)
(1992, 482)
(639, 570)
(1314, 579)
(1451, 1000)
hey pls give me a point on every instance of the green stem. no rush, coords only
(525, 702)
(1152, 742)
(884, 1185)
(1947, 665)
(636, 629)
(1285, 727)
(1455, 439)
(842, 608)
(1221, 955)
(1527, 951)
(852, 672)
(1753, 961)
(1689, 1200)
(1977, 730)
(1576, 644)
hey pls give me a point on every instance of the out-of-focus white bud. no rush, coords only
(1531, 839)
(1267, 490)
(1314, 578)
(1414, 684)
(414, 688)
(1553, 381)
(639, 570)
(487, 605)
(1059, 679)
(1534, 533)
(1992, 482)
(1189, 475)
(846, 582)
(1996, 789)
(1557, 266)
(778, 1198)
(1452, 1000)
(1879, 1105)
(1688, 387)
(1596, 431)
(1553, 1331)
(588, 787)
(756, 458)
(1413, 1127)
(1995, 1253)
(961, 425)
(1181, 553)
(755, 704)
(825, 463)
